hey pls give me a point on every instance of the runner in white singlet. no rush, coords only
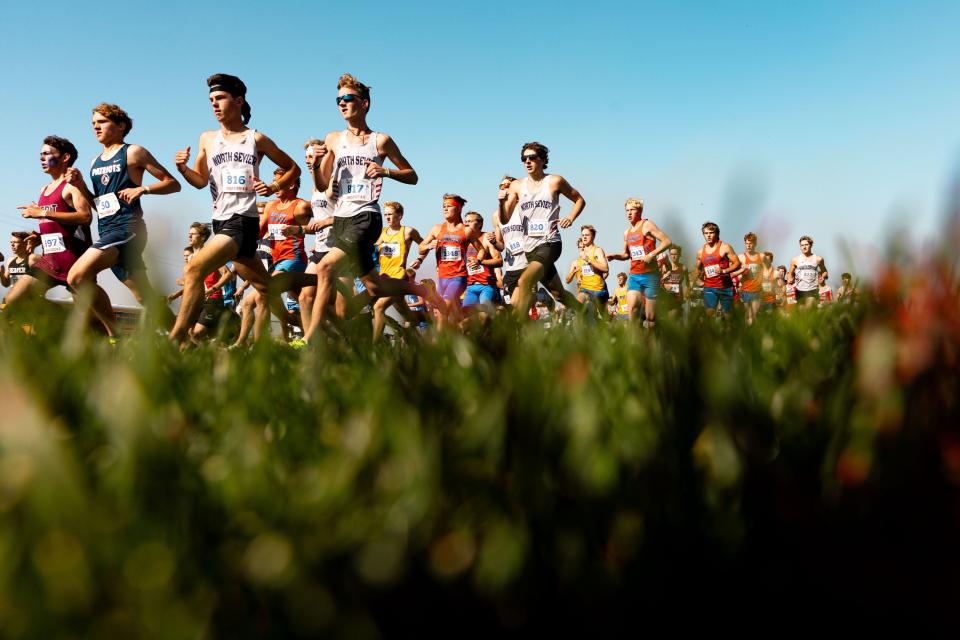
(805, 272)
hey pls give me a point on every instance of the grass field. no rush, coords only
(510, 480)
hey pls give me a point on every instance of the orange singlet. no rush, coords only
(452, 252)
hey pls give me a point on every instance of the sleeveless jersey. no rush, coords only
(806, 272)
(590, 279)
(768, 285)
(481, 274)
(322, 209)
(62, 243)
(108, 178)
(514, 258)
(353, 191)
(790, 291)
(284, 248)
(826, 295)
(233, 166)
(639, 245)
(671, 282)
(452, 252)
(540, 212)
(750, 280)
(17, 269)
(209, 281)
(393, 252)
(623, 308)
(713, 265)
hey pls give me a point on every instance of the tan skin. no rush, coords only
(282, 281)
(589, 253)
(806, 250)
(508, 199)
(621, 284)
(56, 165)
(354, 112)
(18, 248)
(221, 248)
(487, 253)
(712, 239)
(749, 251)
(139, 162)
(393, 219)
(308, 293)
(648, 229)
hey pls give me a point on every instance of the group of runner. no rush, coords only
(356, 262)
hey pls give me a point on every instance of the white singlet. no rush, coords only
(353, 191)
(321, 211)
(806, 272)
(233, 166)
(540, 212)
(514, 258)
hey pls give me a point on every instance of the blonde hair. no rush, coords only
(312, 141)
(591, 229)
(396, 206)
(348, 81)
(633, 202)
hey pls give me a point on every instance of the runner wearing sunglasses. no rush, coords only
(348, 166)
(538, 197)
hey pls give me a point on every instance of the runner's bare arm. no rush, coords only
(728, 251)
(323, 170)
(4, 276)
(492, 256)
(664, 241)
(625, 254)
(572, 272)
(572, 195)
(403, 173)
(74, 178)
(424, 247)
(599, 262)
(497, 237)
(197, 177)
(791, 272)
(291, 170)
(507, 201)
(81, 214)
(699, 265)
(303, 213)
(225, 276)
(823, 268)
(140, 158)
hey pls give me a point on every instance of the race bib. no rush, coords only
(767, 286)
(53, 243)
(275, 231)
(355, 190)
(537, 228)
(476, 270)
(637, 252)
(515, 247)
(106, 205)
(808, 275)
(673, 287)
(237, 179)
(323, 234)
(389, 249)
(711, 270)
(586, 270)
(752, 271)
(450, 254)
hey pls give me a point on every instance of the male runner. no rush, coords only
(592, 264)
(621, 297)
(393, 247)
(508, 239)
(228, 160)
(716, 260)
(482, 259)
(321, 226)
(350, 164)
(63, 213)
(643, 241)
(768, 283)
(538, 198)
(17, 264)
(751, 286)
(116, 176)
(825, 291)
(846, 292)
(450, 239)
(674, 279)
(805, 272)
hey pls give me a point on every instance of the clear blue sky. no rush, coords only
(837, 120)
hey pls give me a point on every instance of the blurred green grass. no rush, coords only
(509, 479)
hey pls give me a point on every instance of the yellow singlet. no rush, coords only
(621, 294)
(589, 279)
(393, 253)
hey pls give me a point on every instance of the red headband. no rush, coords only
(453, 202)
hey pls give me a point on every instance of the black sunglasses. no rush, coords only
(347, 97)
(535, 156)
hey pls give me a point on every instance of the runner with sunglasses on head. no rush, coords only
(228, 161)
(350, 164)
(538, 198)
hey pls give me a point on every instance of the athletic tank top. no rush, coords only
(17, 269)
(229, 287)
(750, 280)
(393, 252)
(322, 209)
(768, 285)
(622, 306)
(209, 281)
(671, 282)
(514, 258)
(109, 177)
(480, 274)
(62, 243)
(353, 191)
(590, 279)
(806, 272)
(713, 264)
(540, 212)
(639, 245)
(284, 248)
(233, 166)
(790, 291)
(452, 252)
(826, 294)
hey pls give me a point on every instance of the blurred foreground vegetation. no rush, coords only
(800, 474)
